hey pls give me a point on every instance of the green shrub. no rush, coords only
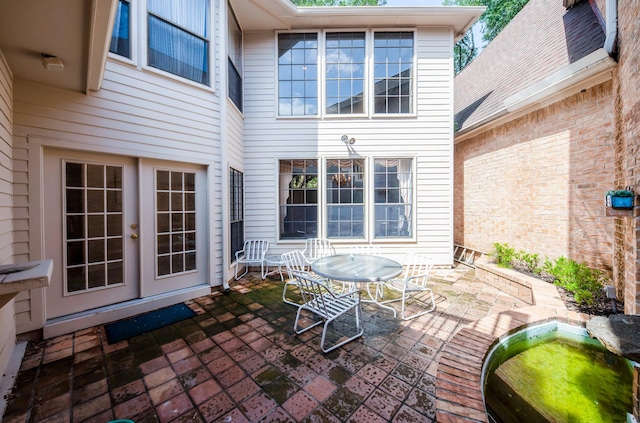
(503, 254)
(585, 283)
(530, 261)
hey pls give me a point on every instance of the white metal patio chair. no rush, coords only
(318, 299)
(296, 263)
(411, 283)
(317, 247)
(252, 254)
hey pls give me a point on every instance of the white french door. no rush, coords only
(90, 223)
(119, 229)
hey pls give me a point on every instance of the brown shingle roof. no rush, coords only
(542, 39)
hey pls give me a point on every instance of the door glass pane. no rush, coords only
(175, 222)
(94, 253)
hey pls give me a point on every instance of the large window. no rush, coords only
(298, 198)
(345, 57)
(354, 193)
(364, 73)
(297, 74)
(178, 38)
(236, 211)
(234, 67)
(393, 72)
(345, 198)
(121, 36)
(393, 197)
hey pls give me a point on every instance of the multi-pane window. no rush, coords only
(298, 198)
(297, 74)
(345, 198)
(393, 72)
(121, 36)
(345, 72)
(175, 222)
(236, 210)
(234, 65)
(178, 38)
(393, 197)
(94, 254)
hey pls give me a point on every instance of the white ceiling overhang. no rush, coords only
(261, 15)
(75, 31)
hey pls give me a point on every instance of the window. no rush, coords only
(121, 37)
(177, 38)
(175, 222)
(236, 211)
(234, 46)
(298, 198)
(94, 230)
(345, 56)
(345, 198)
(393, 72)
(393, 197)
(365, 73)
(297, 74)
(354, 194)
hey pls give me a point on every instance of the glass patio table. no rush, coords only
(360, 269)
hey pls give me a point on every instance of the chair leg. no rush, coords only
(295, 324)
(284, 294)
(359, 329)
(246, 270)
(433, 307)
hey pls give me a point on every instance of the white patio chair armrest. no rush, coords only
(348, 294)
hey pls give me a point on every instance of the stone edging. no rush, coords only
(459, 396)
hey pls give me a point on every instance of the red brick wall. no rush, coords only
(537, 183)
(627, 89)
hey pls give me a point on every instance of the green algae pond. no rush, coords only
(556, 373)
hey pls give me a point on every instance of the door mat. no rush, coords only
(133, 326)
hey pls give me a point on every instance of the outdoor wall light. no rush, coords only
(52, 63)
(345, 139)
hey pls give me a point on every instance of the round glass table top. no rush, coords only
(356, 268)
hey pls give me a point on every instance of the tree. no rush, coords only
(339, 2)
(498, 14)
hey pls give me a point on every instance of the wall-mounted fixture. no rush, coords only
(345, 139)
(52, 63)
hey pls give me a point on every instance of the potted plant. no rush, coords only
(620, 198)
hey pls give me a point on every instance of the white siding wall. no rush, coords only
(7, 323)
(137, 114)
(428, 136)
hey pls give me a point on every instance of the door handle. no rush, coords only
(134, 236)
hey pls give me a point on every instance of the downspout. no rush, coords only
(611, 25)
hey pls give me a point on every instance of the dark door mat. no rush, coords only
(133, 326)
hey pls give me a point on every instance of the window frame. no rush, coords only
(142, 31)
(369, 79)
(236, 197)
(366, 75)
(133, 35)
(231, 63)
(412, 201)
(319, 105)
(414, 85)
(369, 206)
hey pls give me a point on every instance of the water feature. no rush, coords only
(556, 373)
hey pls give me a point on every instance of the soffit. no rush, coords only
(61, 28)
(261, 15)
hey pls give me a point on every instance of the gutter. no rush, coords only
(611, 9)
(591, 65)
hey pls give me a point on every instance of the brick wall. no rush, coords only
(627, 89)
(537, 183)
